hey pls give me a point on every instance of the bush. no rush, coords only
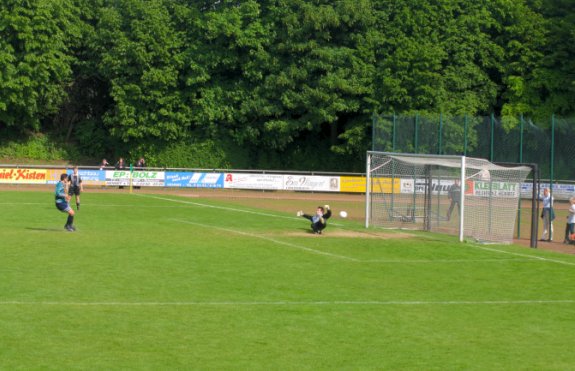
(198, 155)
(37, 147)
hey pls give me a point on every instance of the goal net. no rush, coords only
(467, 197)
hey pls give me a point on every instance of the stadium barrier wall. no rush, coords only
(264, 180)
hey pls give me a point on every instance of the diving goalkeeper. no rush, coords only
(319, 220)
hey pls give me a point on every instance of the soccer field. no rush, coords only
(155, 281)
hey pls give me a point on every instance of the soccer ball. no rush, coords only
(343, 214)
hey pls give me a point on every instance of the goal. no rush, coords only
(463, 196)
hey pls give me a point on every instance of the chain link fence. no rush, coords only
(550, 145)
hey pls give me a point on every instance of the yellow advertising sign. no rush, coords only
(28, 176)
(356, 184)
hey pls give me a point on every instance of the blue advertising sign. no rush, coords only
(194, 180)
(90, 177)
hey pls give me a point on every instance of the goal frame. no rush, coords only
(462, 180)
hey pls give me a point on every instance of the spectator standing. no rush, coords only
(570, 226)
(120, 165)
(547, 215)
(140, 165)
(103, 164)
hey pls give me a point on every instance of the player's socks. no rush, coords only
(70, 220)
(78, 205)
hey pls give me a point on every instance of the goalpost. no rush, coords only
(463, 196)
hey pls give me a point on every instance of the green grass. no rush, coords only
(148, 283)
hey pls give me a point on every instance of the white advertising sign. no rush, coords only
(254, 181)
(311, 183)
(139, 178)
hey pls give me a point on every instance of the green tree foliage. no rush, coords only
(35, 60)
(140, 57)
(281, 80)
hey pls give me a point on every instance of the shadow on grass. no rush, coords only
(46, 229)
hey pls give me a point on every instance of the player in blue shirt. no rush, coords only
(62, 199)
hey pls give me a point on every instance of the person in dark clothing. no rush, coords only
(75, 186)
(319, 220)
(454, 195)
(120, 165)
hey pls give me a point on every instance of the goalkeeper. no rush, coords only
(319, 220)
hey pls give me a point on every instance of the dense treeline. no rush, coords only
(271, 83)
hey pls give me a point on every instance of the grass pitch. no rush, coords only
(163, 282)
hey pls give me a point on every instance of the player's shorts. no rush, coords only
(63, 207)
(74, 191)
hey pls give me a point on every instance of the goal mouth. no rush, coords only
(468, 197)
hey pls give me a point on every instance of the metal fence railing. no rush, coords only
(551, 144)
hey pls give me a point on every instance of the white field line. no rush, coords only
(319, 252)
(525, 255)
(227, 208)
(378, 261)
(288, 303)
(94, 205)
(447, 261)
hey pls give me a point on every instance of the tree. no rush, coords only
(34, 60)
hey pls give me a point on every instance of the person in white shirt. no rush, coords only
(570, 226)
(546, 215)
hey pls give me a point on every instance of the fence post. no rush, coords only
(393, 132)
(491, 135)
(521, 126)
(373, 123)
(440, 133)
(552, 162)
(416, 134)
(465, 135)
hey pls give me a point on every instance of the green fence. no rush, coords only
(550, 144)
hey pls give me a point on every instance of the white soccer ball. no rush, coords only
(343, 214)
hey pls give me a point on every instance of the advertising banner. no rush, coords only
(91, 177)
(352, 184)
(311, 183)
(23, 176)
(496, 189)
(53, 175)
(418, 186)
(194, 180)
(139, 178)
(254, 181)
(560, 191)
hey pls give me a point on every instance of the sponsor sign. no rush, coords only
(311, 183)
(419, 185)
(353, 184)
(380, 185)
(23, 176)
(496, 189)
(53, 175)
(437, 187)
(560, 191)
(139, 178)
(91, 177)
(472, 188)
(194, 180)
(254, 181)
